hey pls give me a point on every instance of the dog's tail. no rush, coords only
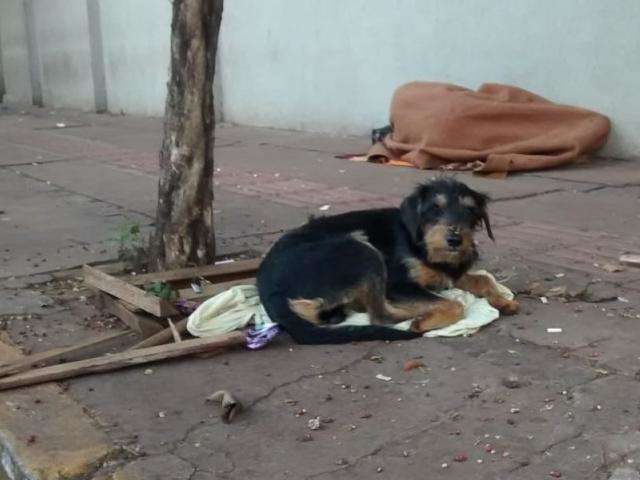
(306, 332)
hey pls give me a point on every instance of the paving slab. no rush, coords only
(156, 468)
(46, 435)
(46, 228)
(604, 171)
(323, 167)
(13, 155)
(130, 189)
(614, 211)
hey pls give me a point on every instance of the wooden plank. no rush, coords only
(631, 260)
(221, 272)
(127, 292)
(162, 336)
(213, 289)
(60, 354)
(174, 331)
(122, 360)
(141, 324)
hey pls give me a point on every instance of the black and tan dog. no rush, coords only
(385, 262)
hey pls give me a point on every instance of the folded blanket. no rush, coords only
(499, 128)
(240, 306)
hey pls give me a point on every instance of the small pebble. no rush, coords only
(461, 457)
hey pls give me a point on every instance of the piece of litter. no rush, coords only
(196, 288)
(445, 465)
(623, 299)
(324, 208)
(61, 125)
(554, 330)
(412, 364)
(229, 406)
(384, 378)
(559, 275)
(461, 457)
(558, 291)
(544, 300)
(514, 410)
(162, 414)
(314, 423)
(612, 268)
(148, 371)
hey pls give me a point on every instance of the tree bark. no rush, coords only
(184, 233)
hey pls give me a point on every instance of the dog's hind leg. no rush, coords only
(428, 311)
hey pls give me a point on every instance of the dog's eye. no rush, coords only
(434, 209)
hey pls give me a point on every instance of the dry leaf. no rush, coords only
(412, 364)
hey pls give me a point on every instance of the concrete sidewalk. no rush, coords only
(64, 192)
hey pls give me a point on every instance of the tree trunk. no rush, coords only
(184, 233)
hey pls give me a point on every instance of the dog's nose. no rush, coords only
(454, 239)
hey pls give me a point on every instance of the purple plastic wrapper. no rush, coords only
(258, 338)
(185, 306)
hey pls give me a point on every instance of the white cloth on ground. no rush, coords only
(240, 306)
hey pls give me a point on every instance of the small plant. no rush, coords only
(162, 290)
(128, 238)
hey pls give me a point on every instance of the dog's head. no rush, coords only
(441, 217)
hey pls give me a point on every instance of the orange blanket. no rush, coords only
(499, 128)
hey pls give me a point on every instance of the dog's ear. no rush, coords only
(410, 210)
(482, 200)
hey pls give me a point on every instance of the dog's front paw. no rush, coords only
(505, 306)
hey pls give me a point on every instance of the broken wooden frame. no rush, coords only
(142, 312)
(123, 296)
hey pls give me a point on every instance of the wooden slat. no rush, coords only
(223, 272)
(122, 360)
(143, 325)
(211, 290)
(631, 260)
(127, 292)
(60, 354)
(162, 336)
(174, 331)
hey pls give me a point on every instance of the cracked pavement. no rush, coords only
(513, 401)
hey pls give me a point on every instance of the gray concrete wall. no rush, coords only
(15, 59)
(136, 54)
(63, 41)
(332, 65)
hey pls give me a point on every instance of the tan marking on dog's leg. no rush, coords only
(424, 276)
(405, 310)
(441, 314)
(482, 286)
(307, 308)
